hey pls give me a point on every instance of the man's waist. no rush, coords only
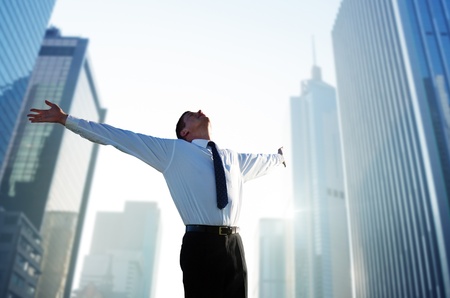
(217, 230)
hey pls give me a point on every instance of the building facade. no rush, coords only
(122, 261)
(275, 272)
(321, 243)
(20, 255)
(393, 76)
(22, 29)
(48, 170)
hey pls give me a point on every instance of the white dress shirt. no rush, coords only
(187, 168)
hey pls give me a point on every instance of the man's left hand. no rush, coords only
(280, 151)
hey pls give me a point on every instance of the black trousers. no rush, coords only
(213, 266)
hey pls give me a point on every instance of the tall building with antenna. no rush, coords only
(321, 247)
(393, 75)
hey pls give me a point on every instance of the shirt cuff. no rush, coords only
(72, 122)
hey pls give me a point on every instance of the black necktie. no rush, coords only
(221, 185)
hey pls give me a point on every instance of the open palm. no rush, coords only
(53, 115)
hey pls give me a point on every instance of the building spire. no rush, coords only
(313, 50)
(316, 72)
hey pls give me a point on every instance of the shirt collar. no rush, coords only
(200, 142)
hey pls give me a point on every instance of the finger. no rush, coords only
(50, 104)
(35, 119)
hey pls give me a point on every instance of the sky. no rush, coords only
(240, 62)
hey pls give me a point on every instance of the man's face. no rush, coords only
(195, 121)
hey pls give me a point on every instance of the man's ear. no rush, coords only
(184, 132)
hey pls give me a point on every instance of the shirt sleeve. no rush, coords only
(156, 152)
(256, 165)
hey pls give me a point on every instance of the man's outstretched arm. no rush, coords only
(154, 151)
(53, 115)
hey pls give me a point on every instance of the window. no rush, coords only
(31, 271)
(31, 290)
(22, 262)
(4, 257)
(17, 280)
(6, 237)
(10, 219)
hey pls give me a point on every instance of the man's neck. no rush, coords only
(205, 135)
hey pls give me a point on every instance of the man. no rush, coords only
(212, 256)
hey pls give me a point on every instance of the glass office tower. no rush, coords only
(275, 276)
(20, 255)
(322, 257)
(22, 28)
(122, 261)
(392, 65)
(48, 170)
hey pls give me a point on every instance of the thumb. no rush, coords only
(49, 103)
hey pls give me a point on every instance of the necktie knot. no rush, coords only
(219, 172)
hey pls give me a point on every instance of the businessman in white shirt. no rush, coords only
(212, 255)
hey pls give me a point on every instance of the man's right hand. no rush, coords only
(54, 115)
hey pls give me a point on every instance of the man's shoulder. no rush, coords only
(180, 143)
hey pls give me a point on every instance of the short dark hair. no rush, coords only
(180, 125)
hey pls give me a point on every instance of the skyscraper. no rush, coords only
(123, 256)
(275, 274)
(22, 28)
(48, 170)
(20, 255)
(392, 65)
(321, 246)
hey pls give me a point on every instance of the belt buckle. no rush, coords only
(228, 231)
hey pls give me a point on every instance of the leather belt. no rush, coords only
(218, 230)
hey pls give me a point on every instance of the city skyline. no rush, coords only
(239, 61)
